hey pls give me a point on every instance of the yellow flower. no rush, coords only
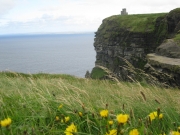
(160, 116)
(174, 133)
(110, 122)
(57, 118)
(122, 118)
(112, 132)
(5, 122)
(80, 114)
(134, 132)
(104, 113)
(67, 119)
(152, 115)
(70, 130)
(60, 106)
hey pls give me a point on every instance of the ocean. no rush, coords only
(72, 54)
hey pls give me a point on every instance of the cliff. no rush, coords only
(132, 37)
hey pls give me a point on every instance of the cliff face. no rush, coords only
(132, 37)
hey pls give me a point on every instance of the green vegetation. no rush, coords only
(177, 38)
(98, 73)
(174, 11)
(46, 104)
(135, 23)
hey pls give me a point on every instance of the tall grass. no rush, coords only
(32, 102)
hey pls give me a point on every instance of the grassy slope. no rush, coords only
(137, 22)
(177, 38)
(30, 98)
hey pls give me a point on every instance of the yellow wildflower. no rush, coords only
(60, 106)
(174, 133)
(160, 116)
(80, 114)
(110, 122)
(112, 132)
(134, 132)
(57, 118)
(152, 115)
(5, 122)
(67, 119)
(104, 113)
(70, 130)
(122, 118)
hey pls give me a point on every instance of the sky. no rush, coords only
(70, 16)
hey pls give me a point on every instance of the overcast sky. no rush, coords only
(59, 16)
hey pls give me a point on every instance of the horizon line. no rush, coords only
(47, 33)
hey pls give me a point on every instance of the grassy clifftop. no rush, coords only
(135, 23)
(154, 27)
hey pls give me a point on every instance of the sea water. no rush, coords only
(49, 53)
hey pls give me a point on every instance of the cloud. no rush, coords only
(71, 15)
(6, 5)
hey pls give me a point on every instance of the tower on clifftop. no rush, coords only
(123, 12)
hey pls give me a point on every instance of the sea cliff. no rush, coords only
(133, 37)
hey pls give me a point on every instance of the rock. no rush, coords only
(123, 42)
(117, 39)
(166, 69)
(87, 75)
(169, 49)
(173, 18)
(163, 62)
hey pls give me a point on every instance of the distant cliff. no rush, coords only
(132, 37)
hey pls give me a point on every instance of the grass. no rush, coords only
(177, 38)
(98, 73)
(32, 102)
(136, 23)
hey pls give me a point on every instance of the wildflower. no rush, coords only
(5, 122)
(80, 114)
(57, 118)
(104, 113)
(122, 118)
(134, 132)
(152, 115)
(160, 116)
(67, 119)
(110, 122)
(112, 132)
(174, 133)
(60, 106)
(70, 130)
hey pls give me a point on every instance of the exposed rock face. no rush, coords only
(169, 49)
(173, 19)
(166, 69)
(164, 64)
(132, 37)
(116, 41)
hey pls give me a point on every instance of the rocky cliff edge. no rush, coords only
(133, 37)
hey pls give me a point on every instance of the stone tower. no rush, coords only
(123, 12)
